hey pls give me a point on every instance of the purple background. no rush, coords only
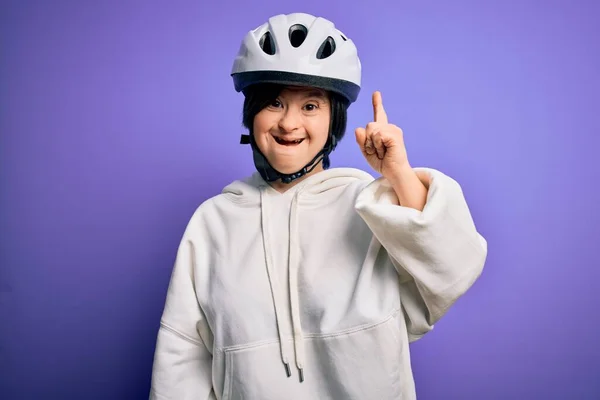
(118, 119)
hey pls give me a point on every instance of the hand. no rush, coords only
(382, 143)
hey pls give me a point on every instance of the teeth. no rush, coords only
(283, 141)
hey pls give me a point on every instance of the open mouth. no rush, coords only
(285, 142)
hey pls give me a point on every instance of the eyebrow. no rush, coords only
(310, 93)
(316, 93)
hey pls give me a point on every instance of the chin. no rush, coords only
(287, 165)
(288, 168)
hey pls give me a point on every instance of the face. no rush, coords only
(293, 128)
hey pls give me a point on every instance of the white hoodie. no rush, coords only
(327, 283)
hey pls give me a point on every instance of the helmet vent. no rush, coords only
(326, 49)
(297, 34)
(266, 43)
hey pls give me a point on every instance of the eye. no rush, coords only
(310, 107)
(275, 104)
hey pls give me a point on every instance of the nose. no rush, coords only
(290, 121)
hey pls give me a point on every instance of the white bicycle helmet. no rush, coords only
(299, 49)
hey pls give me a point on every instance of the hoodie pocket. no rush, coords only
(361, 363)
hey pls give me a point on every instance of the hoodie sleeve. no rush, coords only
(182, 359)
(437, 252)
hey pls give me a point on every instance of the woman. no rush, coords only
(304, 282)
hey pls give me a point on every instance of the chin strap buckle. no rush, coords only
(245, 139)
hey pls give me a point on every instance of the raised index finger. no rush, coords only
(379, 114)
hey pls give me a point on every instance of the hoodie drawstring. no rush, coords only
(273, 281)
(293, 281)
(293, 285)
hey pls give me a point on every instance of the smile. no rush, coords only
(284, 142)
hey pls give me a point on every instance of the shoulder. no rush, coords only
(334, 187)
(232, 195)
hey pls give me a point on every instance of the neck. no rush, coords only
(283, 187)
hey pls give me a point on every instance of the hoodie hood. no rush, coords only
(248, 190)
(254, 191)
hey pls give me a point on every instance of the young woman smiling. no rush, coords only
(304, 281)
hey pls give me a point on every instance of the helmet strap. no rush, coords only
(270, 174)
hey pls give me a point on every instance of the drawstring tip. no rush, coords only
(301, 371)
(288, 371)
